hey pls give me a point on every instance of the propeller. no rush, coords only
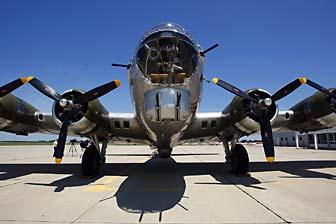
(290, 87)
(261, 105)
(70, 107)
(11, 86)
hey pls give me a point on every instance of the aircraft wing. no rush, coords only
(124, 127)
(313, 113)
(214, 126)
(21, 118)
(206, 126)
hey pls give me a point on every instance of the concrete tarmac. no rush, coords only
(194, 186)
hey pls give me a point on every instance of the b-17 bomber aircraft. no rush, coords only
(166, 79)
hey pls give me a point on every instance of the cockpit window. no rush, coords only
(167, 57)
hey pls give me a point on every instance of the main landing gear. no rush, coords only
(237, 158)
(93, 158)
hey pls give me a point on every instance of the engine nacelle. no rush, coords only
(85, 118)
(315, 112)
(16, 115)
(12, 107)
(243, 115)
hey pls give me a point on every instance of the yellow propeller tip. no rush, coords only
(58, 160)
(23, 79)
(117, 82)
(303, 80)
(29, 78)
(270, 159)
(215, 80)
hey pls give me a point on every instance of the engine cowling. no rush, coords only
(85, 119)
(315, 112)
(16, 115)
(12, 107)
(243, 114)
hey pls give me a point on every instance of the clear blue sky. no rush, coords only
(71, 44)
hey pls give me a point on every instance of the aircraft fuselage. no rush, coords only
(166, 84)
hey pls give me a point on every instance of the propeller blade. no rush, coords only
(287, 89)
(233, 89)
(43, 88)
(320, 88)
(9, 87)
(267, 136)
(59, 150)
(98, 92)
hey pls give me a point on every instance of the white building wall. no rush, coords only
(286, 138)
(326, 139)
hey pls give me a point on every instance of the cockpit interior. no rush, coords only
(167, 57)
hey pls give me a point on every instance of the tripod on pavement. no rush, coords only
(72, 148)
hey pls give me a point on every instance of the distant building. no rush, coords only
(324, 139)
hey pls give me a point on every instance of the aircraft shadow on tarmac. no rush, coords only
(159, 184)
(152, 187)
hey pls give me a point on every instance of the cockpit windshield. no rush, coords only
(167, 57)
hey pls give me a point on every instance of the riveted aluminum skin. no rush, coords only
(167, 104)
(162, 123)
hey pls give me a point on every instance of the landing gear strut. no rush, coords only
(237, 158)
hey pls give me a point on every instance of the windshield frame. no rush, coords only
(169, 54)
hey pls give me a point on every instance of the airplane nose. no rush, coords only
(167, 104)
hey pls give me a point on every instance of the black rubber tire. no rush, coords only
(164, 154)
(239, 160)
(91, 162)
